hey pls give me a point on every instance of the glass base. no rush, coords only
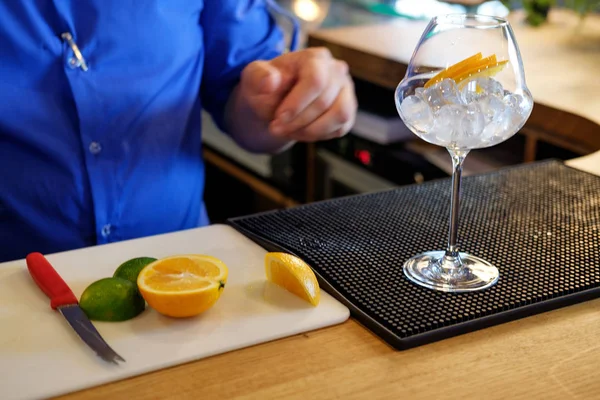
(460, 272)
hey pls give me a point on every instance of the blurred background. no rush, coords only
(380, 153)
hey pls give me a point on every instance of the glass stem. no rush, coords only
(457, 161)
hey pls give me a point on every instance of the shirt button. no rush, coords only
(73, 63)
(95, 148)
(106, 231)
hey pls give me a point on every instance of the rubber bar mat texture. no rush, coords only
(538, 223)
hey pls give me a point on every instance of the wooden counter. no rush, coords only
(561, 58)
(554, 355)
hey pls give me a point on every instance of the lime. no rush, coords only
(131, 269)
(112, 299)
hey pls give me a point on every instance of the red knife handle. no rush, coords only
(46, 277)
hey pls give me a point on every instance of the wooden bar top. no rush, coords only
(561, 59)
(554, 355)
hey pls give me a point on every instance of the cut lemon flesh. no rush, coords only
(294, 275)
(183, 285)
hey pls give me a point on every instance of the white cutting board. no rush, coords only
(40, 355)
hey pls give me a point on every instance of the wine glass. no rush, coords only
(464, 89)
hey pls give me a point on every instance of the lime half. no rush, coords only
(112, 299)
(131, 269)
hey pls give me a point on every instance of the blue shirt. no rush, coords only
(114, 152)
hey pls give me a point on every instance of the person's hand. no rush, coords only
(303, 96)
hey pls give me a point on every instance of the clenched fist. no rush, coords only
(300, 96)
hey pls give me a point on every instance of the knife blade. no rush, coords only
(63, 300)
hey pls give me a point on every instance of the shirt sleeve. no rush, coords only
(236, 32)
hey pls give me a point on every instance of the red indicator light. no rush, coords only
(363, 156)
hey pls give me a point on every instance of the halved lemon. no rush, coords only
(183, 285)
(294, 275)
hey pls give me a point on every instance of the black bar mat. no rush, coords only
(538, 223)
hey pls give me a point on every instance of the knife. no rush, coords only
(63, 300)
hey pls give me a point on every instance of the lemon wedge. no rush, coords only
(184, 285)
(294, 275)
